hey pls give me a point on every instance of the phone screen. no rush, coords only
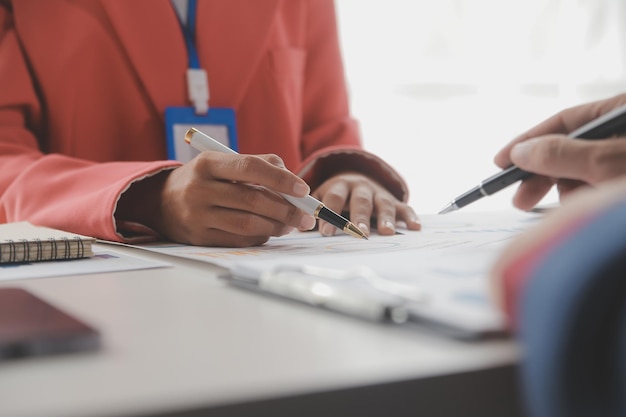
(30, 326)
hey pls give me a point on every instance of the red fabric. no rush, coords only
(83, 88)
(332, 160)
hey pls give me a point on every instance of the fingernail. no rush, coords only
(389, 224)
(328, 230)
(307, 222)
(363, 227)
(520, 153)
(301, 189)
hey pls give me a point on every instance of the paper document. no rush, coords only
(449, 260)
(103, 260)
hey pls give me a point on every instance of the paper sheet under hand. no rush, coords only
(449, 259)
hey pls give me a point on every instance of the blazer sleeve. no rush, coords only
(518, 263)
(331, 138)
(46, 188)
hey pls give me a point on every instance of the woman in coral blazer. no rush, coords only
(83, 89)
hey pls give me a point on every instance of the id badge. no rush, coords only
(219, 123)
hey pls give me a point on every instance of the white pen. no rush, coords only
(309, 204)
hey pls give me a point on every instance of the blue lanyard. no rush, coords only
(189, 31)
(197, 79)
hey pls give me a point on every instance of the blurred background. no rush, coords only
(440, 86)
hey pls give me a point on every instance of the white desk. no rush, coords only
(178, 342)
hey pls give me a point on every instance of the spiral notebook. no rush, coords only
(25, 242)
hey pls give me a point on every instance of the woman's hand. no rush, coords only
(219, 200)
(365, 200)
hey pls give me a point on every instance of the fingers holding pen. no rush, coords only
(221, 195)
(568, 162)
(260, 177)
(261, 202)
(561, 123)
(562, 157)
(531, 191)
(265, 170)
(256, 179)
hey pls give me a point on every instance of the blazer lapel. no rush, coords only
(150, 33)
(231, 36)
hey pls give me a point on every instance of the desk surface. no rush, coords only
(178, 341)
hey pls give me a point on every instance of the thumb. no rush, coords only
(555, 156)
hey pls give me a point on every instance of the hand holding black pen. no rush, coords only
(556, 158)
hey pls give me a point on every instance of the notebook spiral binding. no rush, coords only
(60, 249)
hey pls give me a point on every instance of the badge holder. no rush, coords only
(219, 123)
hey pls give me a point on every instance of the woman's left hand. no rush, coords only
(366, 201)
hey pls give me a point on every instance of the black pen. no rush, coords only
(609, 124)
(311, 205)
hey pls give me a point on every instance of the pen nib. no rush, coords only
(449, 208)
(351, 229)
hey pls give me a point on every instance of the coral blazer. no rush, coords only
(84, 85)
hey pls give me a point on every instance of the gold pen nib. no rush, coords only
(351, 229)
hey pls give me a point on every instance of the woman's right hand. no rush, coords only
(219, 200)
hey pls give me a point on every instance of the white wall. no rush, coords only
(440, 86)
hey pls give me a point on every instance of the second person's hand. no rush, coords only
(547, 151)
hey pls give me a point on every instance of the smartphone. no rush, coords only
(30, 326)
